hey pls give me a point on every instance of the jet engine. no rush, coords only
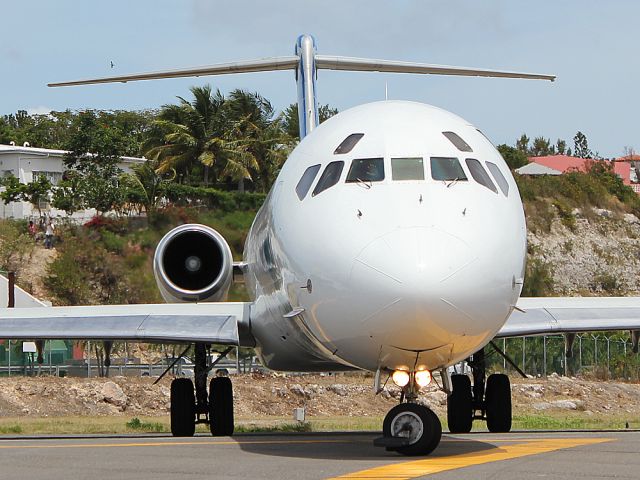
(193, 263)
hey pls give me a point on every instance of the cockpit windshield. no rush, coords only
(447, 169)
(329, 177)
(407, 168)
(366, 170)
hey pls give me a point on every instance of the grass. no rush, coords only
(160, 424)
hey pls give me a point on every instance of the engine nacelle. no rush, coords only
(193, 263)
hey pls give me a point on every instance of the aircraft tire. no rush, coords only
(460, 405)
(221, 406)
(498, 403)
(420, 423)
(183, 408)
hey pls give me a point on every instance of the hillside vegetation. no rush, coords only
(584, 239)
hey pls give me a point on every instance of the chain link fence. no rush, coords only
(600, 356)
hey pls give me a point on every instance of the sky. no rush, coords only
(592, 46)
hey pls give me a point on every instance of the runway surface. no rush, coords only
(518, 455)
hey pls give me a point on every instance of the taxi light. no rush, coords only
(400, 378)
(423, 378)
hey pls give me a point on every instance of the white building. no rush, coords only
(27, 163)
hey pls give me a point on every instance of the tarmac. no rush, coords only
(517, 455)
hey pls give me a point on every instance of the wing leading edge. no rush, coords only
(217, 323)
(548, 315)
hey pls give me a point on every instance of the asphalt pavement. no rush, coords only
(518, 455)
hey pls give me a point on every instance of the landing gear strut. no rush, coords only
(190, 406)
(489, 399)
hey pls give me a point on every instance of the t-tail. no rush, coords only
(306, 62)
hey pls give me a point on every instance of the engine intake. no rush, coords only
(193, 263)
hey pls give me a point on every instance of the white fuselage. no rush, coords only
(413, 273)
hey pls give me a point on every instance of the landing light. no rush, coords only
(400, 378)
(423, 378)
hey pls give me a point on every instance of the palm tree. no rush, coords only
(184, 134)
(262, 135)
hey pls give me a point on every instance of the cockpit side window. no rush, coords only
(407, 168)
(329, 177)
(348, 143)
(366, 170)
(447, 169)
(459, 143)
(306, 180)
(480, 175)
(499, 177)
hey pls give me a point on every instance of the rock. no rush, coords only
(113, 394)
(565, 404)
(297, 389)
(541, 406)
(338, 389)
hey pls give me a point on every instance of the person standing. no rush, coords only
(32, 229)
(48, 235)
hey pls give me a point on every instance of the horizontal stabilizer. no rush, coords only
(549, 315)
(393, 66)
(247, 66)
(176, 323)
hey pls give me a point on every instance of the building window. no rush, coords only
(53, 177)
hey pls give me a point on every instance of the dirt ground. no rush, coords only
(260, 395)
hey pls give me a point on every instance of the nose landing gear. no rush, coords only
(409, 428)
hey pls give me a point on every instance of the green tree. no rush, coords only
(37, 191)
(34, 192)
(541, 147)
(514, 157)
(292, 123)
(189, 134)
(94, 151)
(581, 146)
(522, 144)
(561, 147)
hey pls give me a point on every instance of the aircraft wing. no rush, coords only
(172, 323)
(549, 315)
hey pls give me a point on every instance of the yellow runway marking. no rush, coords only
(170, 444)
(427, 466)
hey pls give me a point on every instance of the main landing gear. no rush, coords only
(410, 428)
(190, 406)
(489, 401)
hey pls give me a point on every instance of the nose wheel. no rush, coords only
(410, 429)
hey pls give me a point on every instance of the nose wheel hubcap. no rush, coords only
(407, 425)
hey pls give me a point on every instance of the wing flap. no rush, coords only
(177, 323)
(569, 315)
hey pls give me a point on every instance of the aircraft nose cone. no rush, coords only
(413, 261)
(410, 279)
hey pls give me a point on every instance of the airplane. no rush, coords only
(393, 241)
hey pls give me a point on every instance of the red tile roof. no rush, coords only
(564, 163)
